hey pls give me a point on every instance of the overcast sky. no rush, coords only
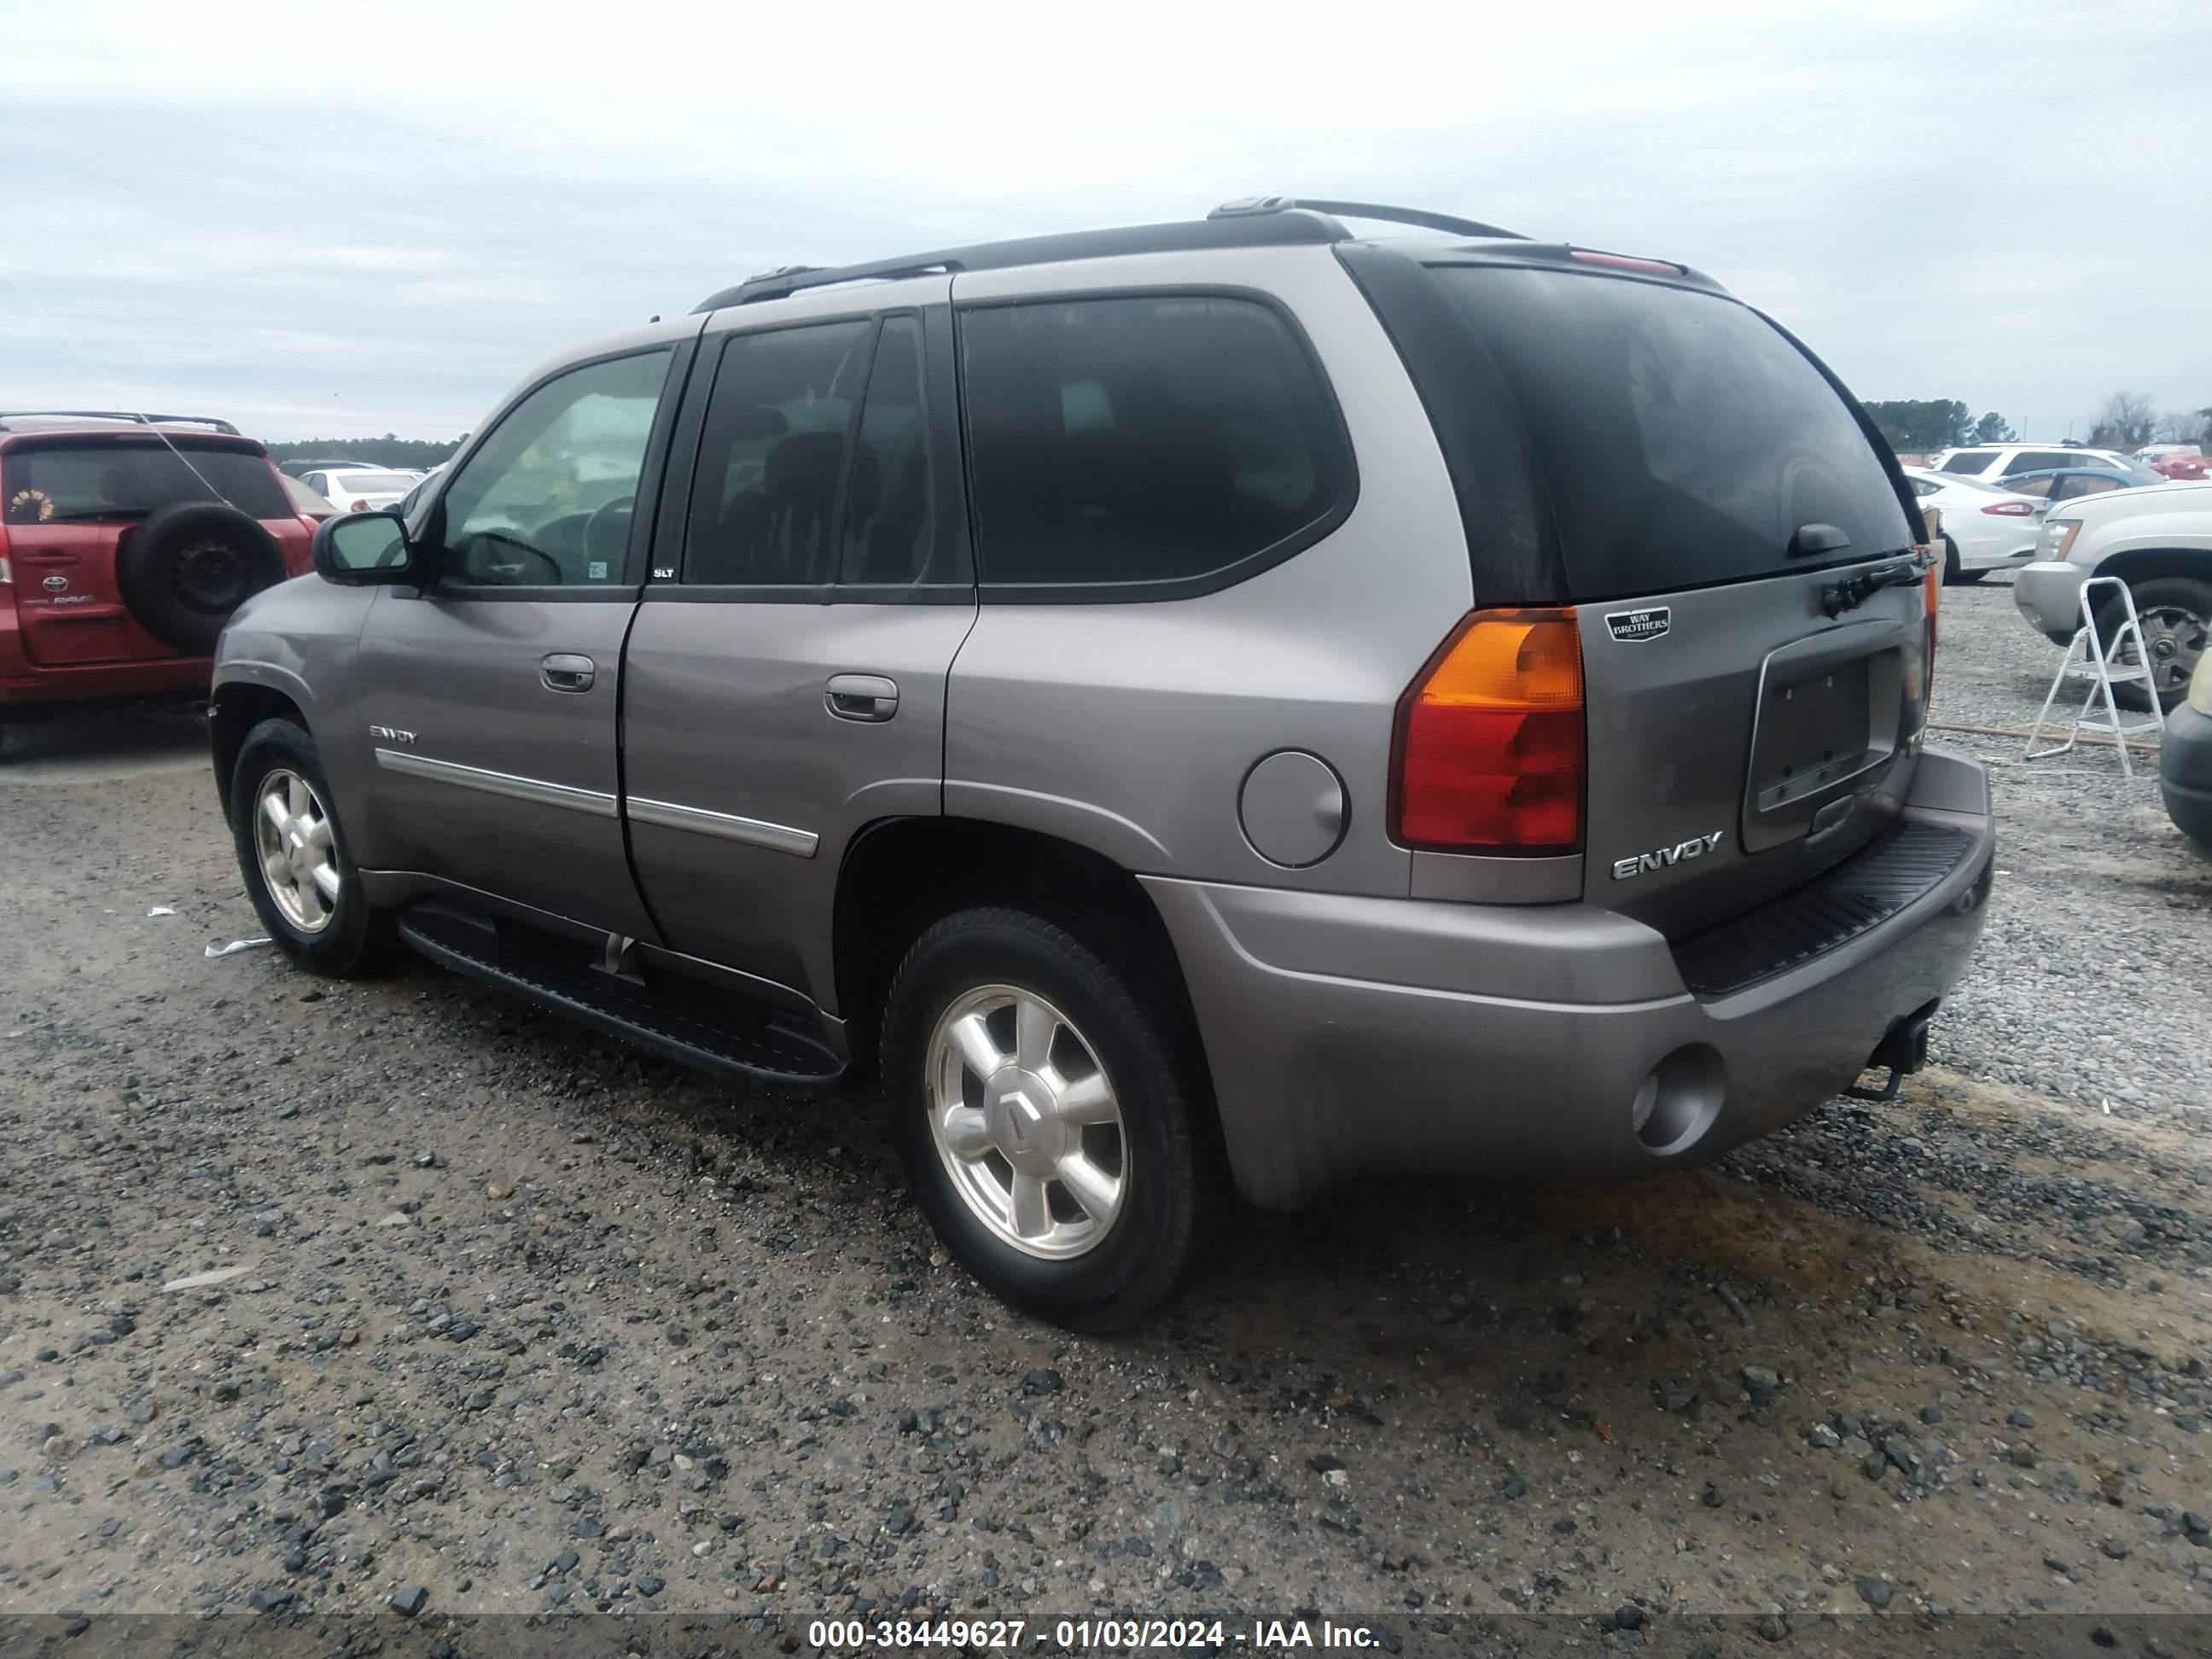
(333, 220)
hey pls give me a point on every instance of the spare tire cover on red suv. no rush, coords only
(187, 568)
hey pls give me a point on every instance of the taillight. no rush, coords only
(2010, 509)
(358, 506)
(1932, 583)
(6, 571)
(1488, 753)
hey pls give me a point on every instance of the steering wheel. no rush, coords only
(521, 546)
(608, 523)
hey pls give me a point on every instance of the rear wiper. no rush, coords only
(1854, 590)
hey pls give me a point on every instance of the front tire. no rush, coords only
(292, 855)
(2176, 612)
(1044, 1112)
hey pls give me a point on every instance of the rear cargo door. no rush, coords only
(1742, 562)
(70, 503)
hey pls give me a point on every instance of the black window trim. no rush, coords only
(939, 379)
(1156, 591)
(651, 476)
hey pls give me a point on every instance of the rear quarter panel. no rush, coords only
(1129, 727)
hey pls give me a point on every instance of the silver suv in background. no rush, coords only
(1226, 697)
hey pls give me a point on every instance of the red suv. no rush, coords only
(126, 543)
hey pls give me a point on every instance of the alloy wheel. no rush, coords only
(299, 857)
(1027, 1122)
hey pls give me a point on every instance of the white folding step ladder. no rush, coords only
(2105, 663)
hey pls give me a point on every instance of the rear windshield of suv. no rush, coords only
(371, 484)
(1684, 438)
(120, 479)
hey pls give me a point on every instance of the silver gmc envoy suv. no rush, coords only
(1234, 697)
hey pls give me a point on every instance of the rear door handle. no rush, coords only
(564, 671)
(861, 696)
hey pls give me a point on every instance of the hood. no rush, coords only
(2181, 495)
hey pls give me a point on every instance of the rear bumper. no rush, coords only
(1352, 1036)
(2048, 592)
(24, 683)
(2185, 771)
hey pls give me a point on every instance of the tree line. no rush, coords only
(2126, 419)
(413, 455)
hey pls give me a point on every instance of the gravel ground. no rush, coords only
(316, 1295)
(2090, 984)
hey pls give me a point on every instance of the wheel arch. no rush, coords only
(901, 874)
(2137, 564)
(234, 708)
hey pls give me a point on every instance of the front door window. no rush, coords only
(547, 501)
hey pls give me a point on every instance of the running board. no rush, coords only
(677, 1019)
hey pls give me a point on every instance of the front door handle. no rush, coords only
(861, 696)
(564, 671)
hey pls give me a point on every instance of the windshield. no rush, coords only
(126, 478)
(1684, 437)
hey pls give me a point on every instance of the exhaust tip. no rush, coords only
(1678, 1101)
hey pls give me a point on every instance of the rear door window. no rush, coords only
(120, 480)
(772, 455)
(1685, 438)
(2033, 460)
(1144, 446)
(1970, 460)
(892, 529)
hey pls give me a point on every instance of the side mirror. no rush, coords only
(363, 549)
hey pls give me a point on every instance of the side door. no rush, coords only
(491, 698)
(785, 682)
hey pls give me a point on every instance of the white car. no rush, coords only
(1990, 462)
(1984, 528)
(2158, 540)
(360, 490)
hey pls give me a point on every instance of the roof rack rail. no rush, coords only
(1249, 207)
(786, 280)
(138, 417)
(1272, 230)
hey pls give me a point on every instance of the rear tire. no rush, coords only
(2177, 621)
(303, 884)
(1008, 1043)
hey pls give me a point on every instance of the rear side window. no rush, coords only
(1149, 443)
(1970, 460)
(115, 481)
(1685, 438)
